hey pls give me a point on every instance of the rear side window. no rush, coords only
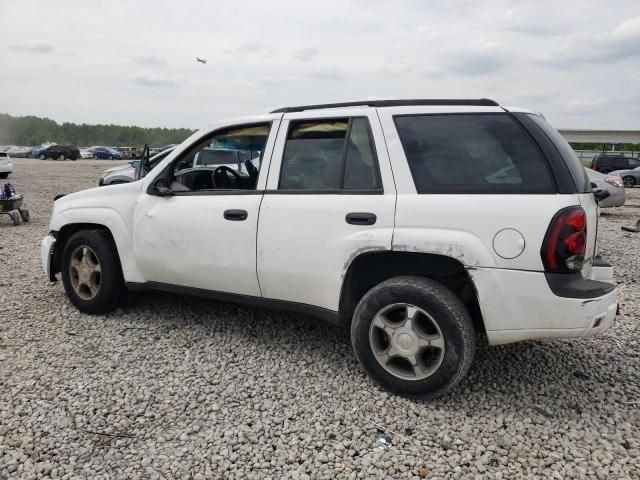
(578, 173)
(472, 153)
(331, 155)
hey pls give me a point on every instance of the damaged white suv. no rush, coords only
(417, 223)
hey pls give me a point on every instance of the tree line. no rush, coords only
(30, 131)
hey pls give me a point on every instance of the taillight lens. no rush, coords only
(614, 180)
(565, 243)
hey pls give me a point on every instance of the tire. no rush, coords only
(95, 157)
(629, 181)
(61, 158)
(24, 214)
(110, 157)
(15, 218)
(110, 291)
(42, 157)
(438, 313)
(4, 174)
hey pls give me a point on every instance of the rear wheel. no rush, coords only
(4, 174)
(629, 181)
(42, 157)
(91, 272)
(61, 157)
(413, 336)
(15, 218)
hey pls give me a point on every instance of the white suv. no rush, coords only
(6, 167)
(416, 223)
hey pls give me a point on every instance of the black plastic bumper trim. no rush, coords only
(574, 285)
(599, 262)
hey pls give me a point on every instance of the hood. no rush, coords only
(117, 169)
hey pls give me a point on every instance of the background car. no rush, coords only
(86, 153)
(606, 163)
(612, 184)
(36, 151)
(630, 178)
(60, 152)
(19, 152)
(6, 167)
(129, 173)
(106, 153)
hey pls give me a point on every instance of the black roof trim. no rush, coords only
(474, 102)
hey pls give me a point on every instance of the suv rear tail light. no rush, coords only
(565, 242)
(614, 180)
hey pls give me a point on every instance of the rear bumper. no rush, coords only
(519, 305)
(46, 256)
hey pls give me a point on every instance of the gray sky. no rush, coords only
(133, 62)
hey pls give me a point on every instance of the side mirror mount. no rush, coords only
(162, 188)
(598, 194)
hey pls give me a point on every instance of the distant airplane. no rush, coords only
(201, 60)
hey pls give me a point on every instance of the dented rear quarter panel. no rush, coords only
(464, 226)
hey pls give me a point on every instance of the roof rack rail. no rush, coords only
(475, 102)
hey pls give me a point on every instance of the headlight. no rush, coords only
(614, 180)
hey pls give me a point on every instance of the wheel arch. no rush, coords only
(114, 225)
(371, 268)
(65, 233)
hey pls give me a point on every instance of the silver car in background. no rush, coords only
(129, 173)
(610, 183)
(630, 178)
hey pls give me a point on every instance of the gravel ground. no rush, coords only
(172, 387)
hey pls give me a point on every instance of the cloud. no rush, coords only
(482, 60)
(556, 57)
(327, 74)
(148, 60)
(620, 43)
(34, 48)
(152, 79)
(306, 54)
(250, 50)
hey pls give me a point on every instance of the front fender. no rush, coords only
(110, 219)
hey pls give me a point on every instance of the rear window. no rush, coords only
(472, 153)
(576, 169)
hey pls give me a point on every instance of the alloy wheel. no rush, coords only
(407, 341)
(85, 272)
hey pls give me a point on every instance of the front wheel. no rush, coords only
(628, 181)
(42, 157)
(4, 174)
(61, 158)
(91, 272)
(413, 336)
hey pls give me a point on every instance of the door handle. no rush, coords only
(361, 218)
(236, 215)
